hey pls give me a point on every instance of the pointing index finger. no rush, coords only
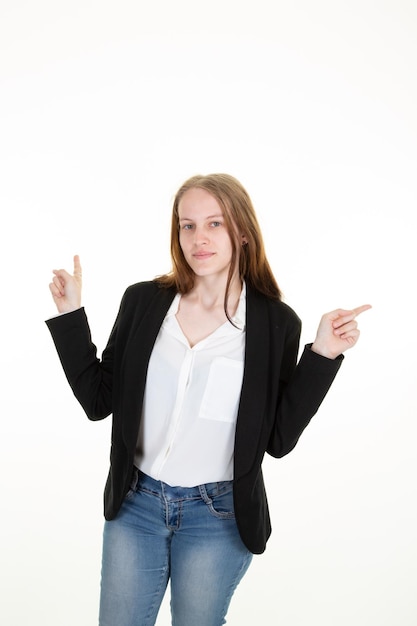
(361, 309)
(77, 265)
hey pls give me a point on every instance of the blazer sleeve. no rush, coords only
(90, 378)
(303, 387)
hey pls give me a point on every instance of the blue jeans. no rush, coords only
(186, 535)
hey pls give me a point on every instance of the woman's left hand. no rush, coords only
(337, 331)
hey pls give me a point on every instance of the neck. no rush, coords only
(211, 292)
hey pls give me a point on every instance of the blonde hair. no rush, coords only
(238, 213)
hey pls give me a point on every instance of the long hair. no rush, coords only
(238, 214)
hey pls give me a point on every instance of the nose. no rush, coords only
(200, 235)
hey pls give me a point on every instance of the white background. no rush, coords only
(106, 107)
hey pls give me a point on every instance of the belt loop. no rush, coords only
(135, 478)
(204, 495)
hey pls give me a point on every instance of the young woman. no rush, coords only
(200, 374)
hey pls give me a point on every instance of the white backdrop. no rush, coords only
(106, 107)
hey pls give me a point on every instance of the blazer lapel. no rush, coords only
(136, 359)
(255, 380)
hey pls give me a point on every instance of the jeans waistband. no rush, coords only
(139, 479)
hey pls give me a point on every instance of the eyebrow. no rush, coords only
(209, 217)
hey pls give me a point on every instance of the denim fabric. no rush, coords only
(186, 535)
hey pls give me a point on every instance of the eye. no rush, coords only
(216, 224)
(187, 227)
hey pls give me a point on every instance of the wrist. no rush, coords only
(69, 308)
(323, 351)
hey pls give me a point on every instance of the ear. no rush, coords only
(244, 241)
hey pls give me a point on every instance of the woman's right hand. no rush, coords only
(66, 288)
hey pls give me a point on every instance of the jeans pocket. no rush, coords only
(221, 505)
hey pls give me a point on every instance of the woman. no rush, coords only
(200, 374)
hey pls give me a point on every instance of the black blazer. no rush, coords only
(278, 397)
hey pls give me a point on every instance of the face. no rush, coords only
(203, 235)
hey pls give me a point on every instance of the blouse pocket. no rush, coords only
(221, 396)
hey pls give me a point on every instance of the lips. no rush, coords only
(201, 256)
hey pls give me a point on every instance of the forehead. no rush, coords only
(198, 203)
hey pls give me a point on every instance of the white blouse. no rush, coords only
(191, 402)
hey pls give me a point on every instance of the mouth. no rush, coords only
(201, 256)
